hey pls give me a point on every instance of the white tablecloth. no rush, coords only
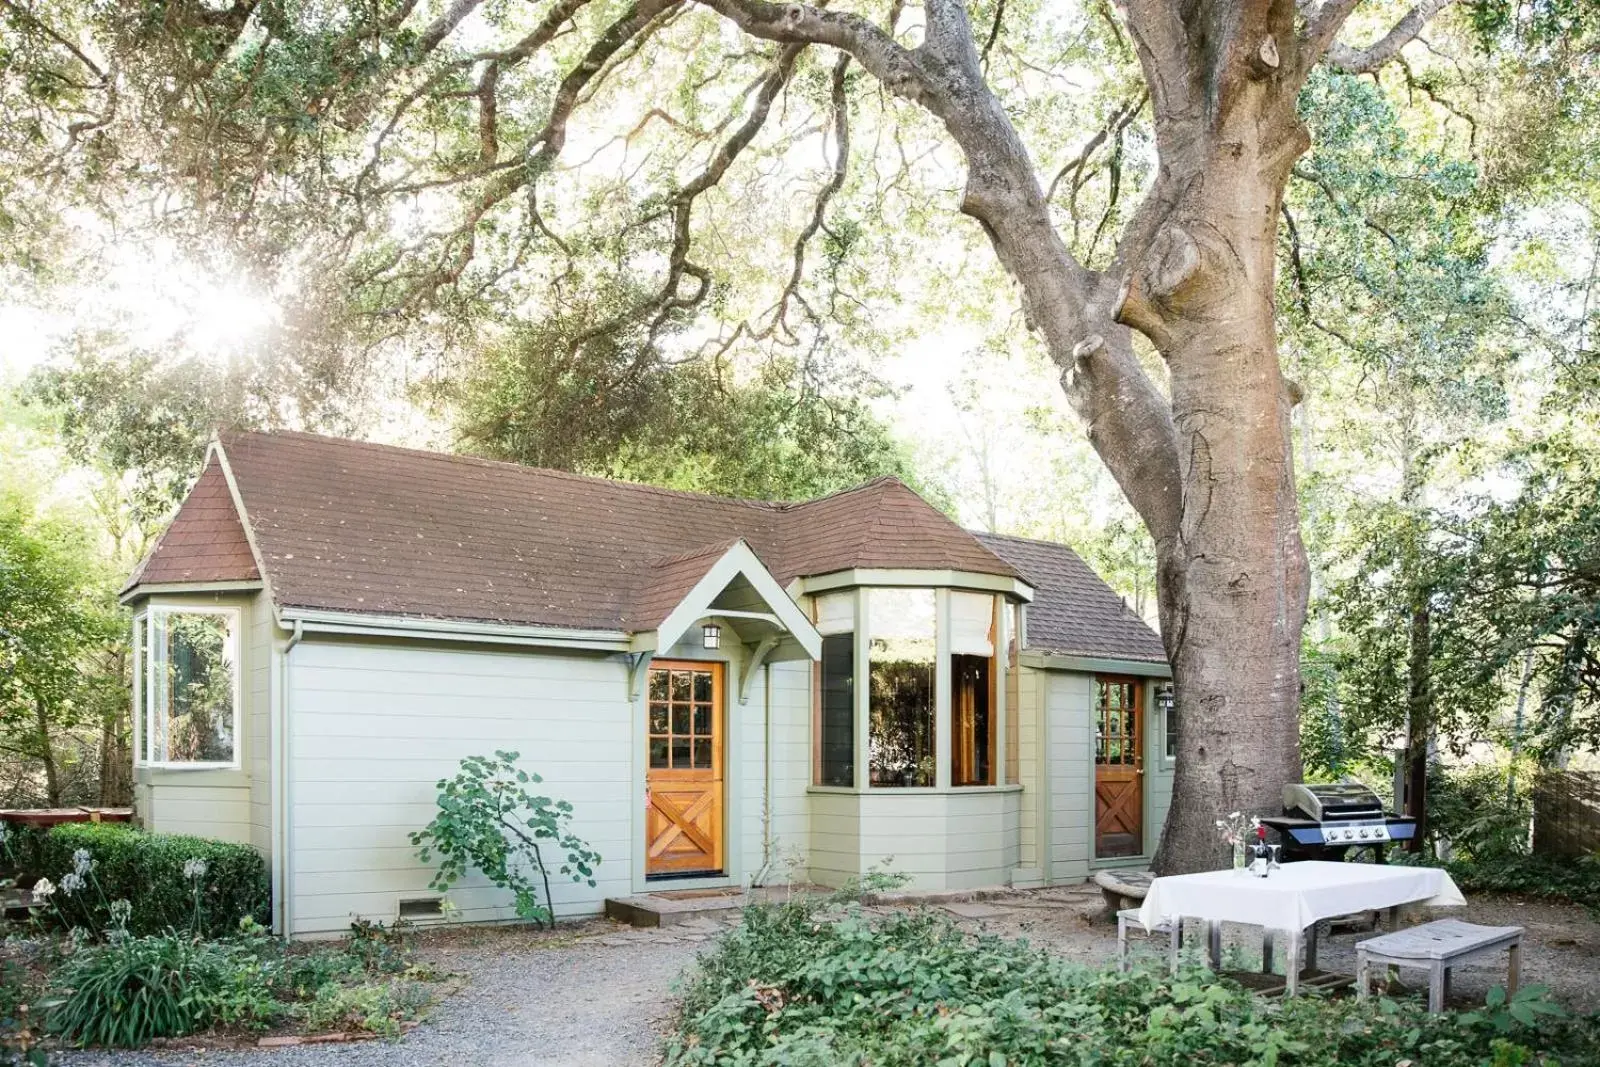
(1295, 895)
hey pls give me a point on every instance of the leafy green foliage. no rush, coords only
(610, 406)
(147, 871)
(377, 1008)
(1526, 1007)
(489, 820)
(18, 1040)
(55, 617)
(126, 994)
(797, 986)
(132, 990)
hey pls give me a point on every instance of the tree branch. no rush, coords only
(1366, 60)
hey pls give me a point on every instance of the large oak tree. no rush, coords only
(431, 141)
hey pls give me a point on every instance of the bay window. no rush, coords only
(187, 691)
(972, 703)
(908, 689)
(903, 651)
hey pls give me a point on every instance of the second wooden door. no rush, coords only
(683, 776)
(1118, 767)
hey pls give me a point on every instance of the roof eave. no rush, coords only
(315, 620)
(1094, 663)
(140, 590)
(1015, 588)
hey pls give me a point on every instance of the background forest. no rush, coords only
(217, 250)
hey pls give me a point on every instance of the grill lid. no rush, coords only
(1332, 801)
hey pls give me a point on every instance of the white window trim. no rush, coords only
(145, 687)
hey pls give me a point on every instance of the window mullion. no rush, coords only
(942, 719)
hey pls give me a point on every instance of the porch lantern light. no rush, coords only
(712, 634)
(1164, 698)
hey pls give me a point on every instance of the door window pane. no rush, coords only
(681, 731)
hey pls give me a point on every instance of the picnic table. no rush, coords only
(1293, 898)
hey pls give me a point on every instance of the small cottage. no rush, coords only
(729, 692)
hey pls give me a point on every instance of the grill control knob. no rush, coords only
(1363, 834)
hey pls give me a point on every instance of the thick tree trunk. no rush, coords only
(47, 755)
(1209, 471)
(1234, 579)
(1419, 719)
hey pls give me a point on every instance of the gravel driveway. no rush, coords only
(591, 997)
(600, 995)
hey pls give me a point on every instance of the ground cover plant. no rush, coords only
(129, 991)
(805, 983)
(94, 977)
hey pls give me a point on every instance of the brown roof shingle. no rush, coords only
(356, 527)
(205, 541)
(1074, 612)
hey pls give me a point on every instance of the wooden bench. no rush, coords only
(1439, 946)
(1123, 888)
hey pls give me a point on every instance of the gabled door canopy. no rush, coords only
(780, 632)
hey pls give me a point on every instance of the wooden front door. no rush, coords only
(1118, 767)
(683, 776)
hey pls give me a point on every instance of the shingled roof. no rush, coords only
(354, 527)
(204, 542)
(1074, 612)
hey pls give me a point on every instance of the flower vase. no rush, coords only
(1239, 862)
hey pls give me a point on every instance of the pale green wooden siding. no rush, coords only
(372, 727)
(962, 839)
(1067, 699)
(261, 633)
(1068, 704)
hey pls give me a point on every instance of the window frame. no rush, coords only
(938, 668)
(1169, 709)
(145, 688)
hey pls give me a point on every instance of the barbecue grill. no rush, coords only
(1324, 822)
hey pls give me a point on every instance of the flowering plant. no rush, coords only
(1237, 829)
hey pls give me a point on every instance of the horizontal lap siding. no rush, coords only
(835, 838)
(374, 726)
(791, 763)
(939, 840)
(257, 716)
(1067, 706)
(222, 813)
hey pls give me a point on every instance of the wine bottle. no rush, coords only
(1260, 855)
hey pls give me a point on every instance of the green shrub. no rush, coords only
(147, 870)
(794, 987)
(378, 1009)
(489, 819)
(1575, 880)
(127, 993)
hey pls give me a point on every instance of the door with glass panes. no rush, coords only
(1118, 767)
(683, 776)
